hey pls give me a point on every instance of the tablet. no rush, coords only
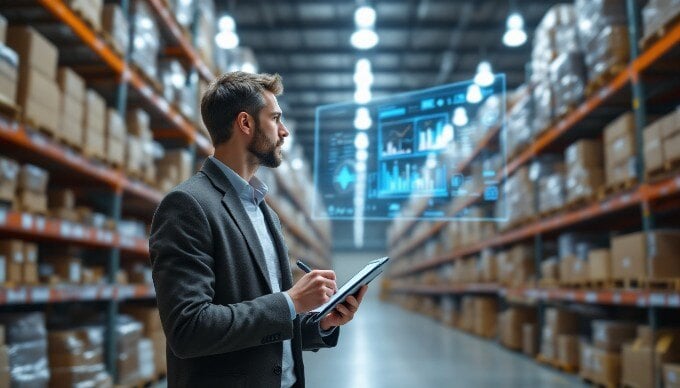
(363, 277)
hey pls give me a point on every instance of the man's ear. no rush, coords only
(244, 123)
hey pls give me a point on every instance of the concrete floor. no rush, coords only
(386, 346)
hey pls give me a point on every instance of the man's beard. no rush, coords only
(266, 151)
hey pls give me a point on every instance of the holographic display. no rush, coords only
(375, 160)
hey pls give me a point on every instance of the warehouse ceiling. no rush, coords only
(423, 43)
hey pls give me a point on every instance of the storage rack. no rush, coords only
(124, 194)
(647, 198)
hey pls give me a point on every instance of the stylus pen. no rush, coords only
(303, 266)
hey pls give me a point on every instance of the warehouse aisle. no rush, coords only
(386, 346)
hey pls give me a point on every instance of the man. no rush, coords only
(220, 262)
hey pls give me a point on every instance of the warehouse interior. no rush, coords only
(570, 278)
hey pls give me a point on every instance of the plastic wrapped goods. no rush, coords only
(27, 349)
(519, 130)
(609, 52)
(568, 78)
(544, 106)
(129, 334)
(146, 39)
(77, 358)
(174, 78)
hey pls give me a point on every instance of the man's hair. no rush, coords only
(233, 93)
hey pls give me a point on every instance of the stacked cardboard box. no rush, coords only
(662, 142)
(89, 10)
(129, 333)
(9, 69)
(146, 38)
(619, 150)
(516, 266)
(568, 350)
(519, 201)
(138, 157)
(61, 267)
(76, 358)
(72, 107)
(27, 347)
(573, 269)
(29, 268)
(151, 321)
(643, 255)
(550, 271)
(11, 261)
(599, 366)
(94, 125)
(611, 335)
(530, 339)
(511, 323)
(9, 179)
(568, 78)
(38, 93)
(62, 204)
(657, 14)
(488, 266)
(585, 172)
(485, 310)
(32, 189)
(644, 357)
(599, 265)
(116, 25)
(175, 163)
(116, 136)
(557, 322)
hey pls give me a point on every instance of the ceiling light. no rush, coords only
(362, 95)
(484, 76)
(364, 17)
(460, 117)
(248, 67)
(297, 164)
(361, 141)
(362, 155)
(515, 35)
(226, 23)
(363, 79)
(363, 65)
(474, 94)
(364, 39)
(447, 133)
(362, 119)
(227, 40)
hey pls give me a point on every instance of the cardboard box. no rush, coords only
(585, 366)
(35, 51)
(671, 375)
(550, 269)
(89, 10)
(68, 269)
(183, 160)
(621, 127)
(95, 145)
(62, 198)
(611, 335)
(511, 323)
(654, 156)
(71, 84)
(40, 98)
(95, 115)
(71, 122)
(116, 152)
(530, 339)
(148, 316)
(585, 153)
(32, 202)
(12, 252)
(30, 265)
(9, 176)
(114, 22)
(485, 310)
(599, 264)
(631, 259)
(568, 350)
(670, 124)
(671, 148)
(9, 74)
(159, 349)
(606, 367)
(638, 358)
(115, 125)
(139, 124)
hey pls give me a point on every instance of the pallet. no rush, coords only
(584, 200)
(550, 213)
(616, 187)
(670, 284)
(603, 79)
(548, 283)
(669, 168)
(573, 284)
(599, 284)
(653, 37)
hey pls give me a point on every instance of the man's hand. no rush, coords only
(344, 312)
(313, 290)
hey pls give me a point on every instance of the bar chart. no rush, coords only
(398, 178)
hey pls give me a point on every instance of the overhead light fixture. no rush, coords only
(362, 73)
(227, 40)
(248, 67)
(364, 17)
(362, 119)
(474, 94)
(447, 133)
(460, 117)
(226, 23)
(362, 95)
(362, 155)
(364, 39)
(484, 76)
(361, 141)
(297, 164)
(515, 35)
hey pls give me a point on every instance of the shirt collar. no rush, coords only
(253, 191)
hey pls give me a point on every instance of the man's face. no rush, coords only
(268, 134)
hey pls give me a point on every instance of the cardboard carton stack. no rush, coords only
(27, 347)
(76, 358)
(32, 189)
(516, 266)
(138, 158)
(29, 267)
(530, 339)
(175, 164)
(72, 107)
(643, 255)
(511, 323)
(644, 357)
(662, 143)
(116, 25)
(62, 204)
(557, 322)
(9, 68)
(599, 366)
(9, 179)
(151, 321)
(38, 92)
(129, 333)
(600, 265)
(116, 136)
(619, 150)
(585, 172)
(550, 271)
(568, 351)
(89, 10)
(11, 261)
(61, 267)
(657, 14)
(94, 125)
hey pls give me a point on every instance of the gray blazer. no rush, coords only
(223, 324)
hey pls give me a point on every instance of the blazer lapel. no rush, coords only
(234, 207)
(279, 241)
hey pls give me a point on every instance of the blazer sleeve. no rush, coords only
(182, 265)
(311, 335)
